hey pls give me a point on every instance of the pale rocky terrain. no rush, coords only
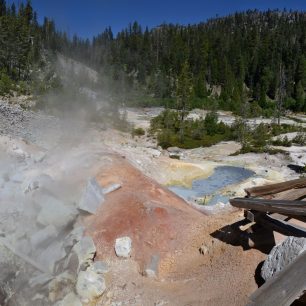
(46, 164)
(86, 217)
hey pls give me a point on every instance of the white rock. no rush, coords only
(123, 247)
(90, 285)
(175, 150)
(31, 186)
(111, 188)
(92, 197)
(282, 255)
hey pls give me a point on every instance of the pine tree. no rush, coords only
(13, 10)
(281, 92)
(28, 12)
(184, 90)
(2, 8)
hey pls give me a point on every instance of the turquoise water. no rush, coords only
(222, 177)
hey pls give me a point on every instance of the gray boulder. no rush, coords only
(85, 250)
(123, 247)
(73, 237)
(174, 150)
(49, 256)
(40, 279)
(90, 285)
(54, 212)
(282, 255)
(92, 197)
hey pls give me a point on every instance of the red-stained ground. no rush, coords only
(160, 223)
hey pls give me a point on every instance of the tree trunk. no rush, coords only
(182, 125)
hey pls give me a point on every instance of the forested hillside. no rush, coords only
(243, 53)
(19, 45)
(254, 59)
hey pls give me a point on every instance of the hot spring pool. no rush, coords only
(222, 177)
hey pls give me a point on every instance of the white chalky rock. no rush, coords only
(90, 285)
(123, 247)
(111, 188)
(92, 197)
(282, 255)
(31, 186)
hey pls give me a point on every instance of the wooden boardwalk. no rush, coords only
(272, 206)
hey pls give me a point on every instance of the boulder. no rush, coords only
(282, 255)
(40, 280)
(71, 264)
(90, 285)
(85, 250)
(174, 150)
(92, 197)
(123, 247)
(54, 212)
(50, 255)
(73, 237)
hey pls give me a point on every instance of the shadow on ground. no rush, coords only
(254, 237)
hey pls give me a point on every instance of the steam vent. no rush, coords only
(160, 163)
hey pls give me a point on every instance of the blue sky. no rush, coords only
(90, 17)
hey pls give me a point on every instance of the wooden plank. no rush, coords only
(279, 226)
(284, 288)
(279, 217)
(279, 206)
(275, 188)
(292, 194)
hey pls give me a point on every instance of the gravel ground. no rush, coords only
(34, 127)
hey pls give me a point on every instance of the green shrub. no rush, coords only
(285, 142)
(300, 139)
(252, 149)
(211, 123)
(6, 84)
(138, 132)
